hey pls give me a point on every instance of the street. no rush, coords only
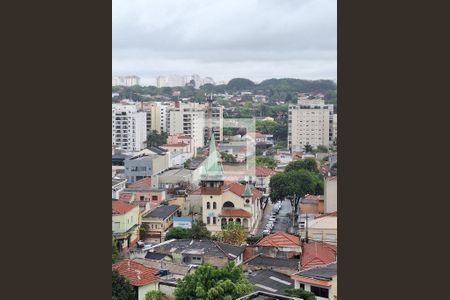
(283, 221)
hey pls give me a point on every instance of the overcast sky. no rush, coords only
(224, 39)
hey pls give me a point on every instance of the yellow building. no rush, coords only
(125, 223)
(223, 203)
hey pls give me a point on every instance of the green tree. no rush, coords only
(187, 163)
(308, 148)
(153, 295)
(266, 161)
(294, 185)
(305, 164)
(226, 157)
(266, 126)
(213, 283)
(232, 233)
(179, 233)
(199, 231)
(143, 231)
(115, 251)
(156, 139)
(121, 288)
(300, 293)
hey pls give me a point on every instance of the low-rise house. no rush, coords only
(125, 223)
(142, 278)
(197, 252)
(317, 254)
(270, 281)
(321, 281)
(260, 295)
(283, 265)
(177, 148)
(279, 244)
(118, 185)
(322, 228)
(261, 180)
(159, 220)
(312, 204)
(145, 190)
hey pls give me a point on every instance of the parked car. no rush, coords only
(274, 220)
(266, 232)
(140, 244)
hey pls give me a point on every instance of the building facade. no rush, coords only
(128, 128)
(145, 165)
(309, 123)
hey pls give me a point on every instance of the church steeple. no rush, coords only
(212, 169)
(247, 192)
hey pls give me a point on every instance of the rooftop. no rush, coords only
(235, 212)
(270, 281)
(207, 247)
(238, 189)
(116, 181)
(161, 212)
(317, 254)
(267, 261)
(136, 273)
(263, 171)
(144, 182)
(120, 207)
(280, 239)
(321, 273)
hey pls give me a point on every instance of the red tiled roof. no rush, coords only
(120, 207)
(144, 182)
(317, 254)
(136, 273)
(196, 192)
(280, 239)
(263, 171)
(126, 197)
(235, 212)
(238, 189)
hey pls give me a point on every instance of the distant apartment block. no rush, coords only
(125, 80)
(156, 116)
(188, 119)
(128, 127)
(182, 80)
(309, 123)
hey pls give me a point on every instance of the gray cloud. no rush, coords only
(225, 38)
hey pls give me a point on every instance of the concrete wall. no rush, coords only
(330, 194)
(142, 290)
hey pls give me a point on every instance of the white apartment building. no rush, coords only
(187, 118)
(156, 116)
(125, 80)
(128, 127)
(309, 123)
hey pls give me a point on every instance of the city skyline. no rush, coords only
(225, 39)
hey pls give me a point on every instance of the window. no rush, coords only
(214, 206)
(208, 205)
(331, 237)
(155, 198)
(208, 220)
(142, 198)
(302, 286)
(214, 219)
(319, 292)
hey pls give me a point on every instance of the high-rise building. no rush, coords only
(128, 127)
(187, 118)
(309, 123)
(334, 127)
(156, 116)
(125, 80)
